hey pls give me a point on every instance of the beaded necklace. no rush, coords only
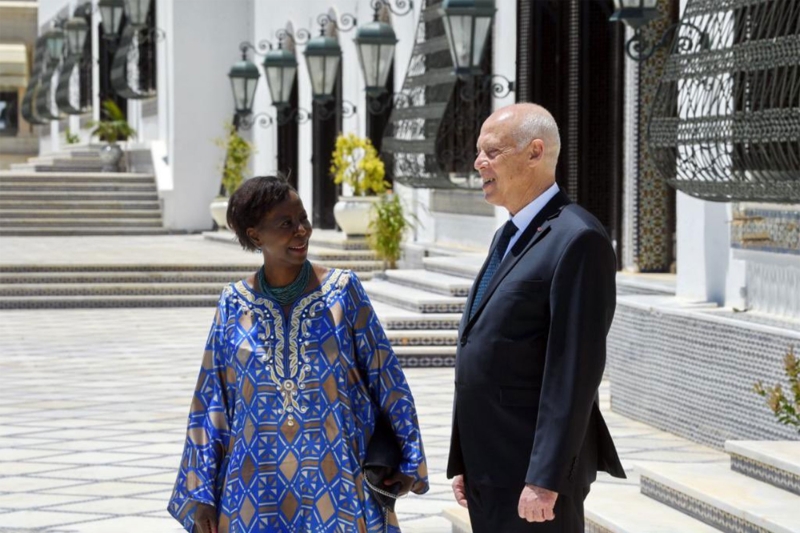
(285, 295)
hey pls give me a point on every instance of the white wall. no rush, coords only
(302, 14)
(202, 41)
(707, 270)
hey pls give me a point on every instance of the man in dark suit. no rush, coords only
(528, 437)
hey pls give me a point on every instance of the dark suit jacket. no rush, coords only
(530, 361)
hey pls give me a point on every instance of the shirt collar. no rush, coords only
(528, 213)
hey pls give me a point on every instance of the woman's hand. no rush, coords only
(205, 519)
(404, 480)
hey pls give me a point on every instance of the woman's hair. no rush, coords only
(251, 201)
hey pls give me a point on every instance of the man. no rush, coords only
(528, 437)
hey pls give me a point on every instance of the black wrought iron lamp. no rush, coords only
(323, 56)
(637, 14)
(280, 66)
(376, 42)
(76, 30)
(55, 39)
(111, 13)
(467, 24)
(244, 80)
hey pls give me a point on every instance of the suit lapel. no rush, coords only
(536, 230)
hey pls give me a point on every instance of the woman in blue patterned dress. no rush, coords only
(296, 370)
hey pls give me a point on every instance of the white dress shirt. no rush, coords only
(526, 215)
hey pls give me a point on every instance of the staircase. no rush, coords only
(759, 492)
(420, 309)
(66, 194)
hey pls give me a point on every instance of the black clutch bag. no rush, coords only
(381, 461)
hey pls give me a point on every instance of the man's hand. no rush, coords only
(536, 504)
(205, 519)
(460, 490)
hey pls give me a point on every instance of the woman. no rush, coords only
(296, 370)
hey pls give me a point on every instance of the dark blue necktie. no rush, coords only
(494, 262)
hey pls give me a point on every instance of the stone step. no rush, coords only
(78, 278)
(396, 318)
(22, 167)
(337, 240)
(413, 299)
(324, 255)
(130, 268)
(72, 167)
(78, 231)
(76, 155)
(106, 302)
(85, 223)
(364, 269)
(458, 518)
(110, 289)
(75, 178)
(65, 186)
(101, 196)
(721, 498)
(80, 205)
(80, 214)
(410, 337)
(430, 281)
(68, 175)
(622, 508)
(426, 356)
(773, 462)
(466, 266)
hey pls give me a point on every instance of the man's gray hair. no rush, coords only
(538, 123)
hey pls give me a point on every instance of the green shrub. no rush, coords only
(785, 408)
(237, 156)
(114, 127)
(387, 228)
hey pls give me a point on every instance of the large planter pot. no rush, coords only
(219, 210)
(353, 213)
(110, 155)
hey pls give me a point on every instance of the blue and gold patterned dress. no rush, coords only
(283, 409)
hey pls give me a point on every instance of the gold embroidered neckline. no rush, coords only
(290, 381)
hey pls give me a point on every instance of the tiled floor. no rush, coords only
(93, 411)
(93, 403)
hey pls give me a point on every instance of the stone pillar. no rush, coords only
(649, 202)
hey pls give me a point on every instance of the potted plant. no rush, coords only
(112, 129)
(355, 162)
(237, 157)
(387, 228)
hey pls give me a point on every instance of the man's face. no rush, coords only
(502, 165)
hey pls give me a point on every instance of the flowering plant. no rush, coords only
(355, 162)
(786, 408)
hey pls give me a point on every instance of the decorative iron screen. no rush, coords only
(725, 123)
(431, 136)
(30, 99)
(133, 71)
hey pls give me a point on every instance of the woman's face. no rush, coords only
(283, 233)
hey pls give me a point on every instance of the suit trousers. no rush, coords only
(494, 510)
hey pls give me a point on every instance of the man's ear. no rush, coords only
(536, 150)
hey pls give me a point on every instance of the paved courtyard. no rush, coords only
(93, 411)
(93, 416)
(93, 404)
